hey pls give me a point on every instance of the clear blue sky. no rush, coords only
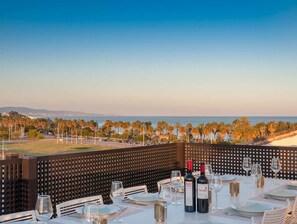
(150, 57)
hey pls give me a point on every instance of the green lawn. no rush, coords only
(50, 147)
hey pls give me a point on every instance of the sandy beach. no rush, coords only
(290, 141)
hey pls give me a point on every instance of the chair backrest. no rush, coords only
(135, 190)
(276, 216)
(293, 217)
(18, 217)
(165, 181)
(68, 207)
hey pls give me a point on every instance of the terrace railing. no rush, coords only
(76, 175)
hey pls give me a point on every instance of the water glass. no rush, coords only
(176, 182)
(216, 185)
(247, 165)
(165, 194)
(90, 213)
(275, 166)
(117, 195)
(43, 208)
(256, 172)
(208, 171)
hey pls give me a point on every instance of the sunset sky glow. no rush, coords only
(183, 58)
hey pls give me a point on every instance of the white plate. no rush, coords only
(227, 177)
(292, 184)
(252, 207)
(104, 209)
(142, 197)
(283, 193)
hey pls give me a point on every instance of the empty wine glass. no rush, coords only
(90, 213)
(275, 166)
(165, 194)
(43, 208)
(176, 182)
(256, 172)
(216, 185)
(117, 195)
(247, 165)
(208, 171)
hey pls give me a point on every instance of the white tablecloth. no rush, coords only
(137, 214)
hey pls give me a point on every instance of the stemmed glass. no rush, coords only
(165, 194)
(256, 172)
(43, 208)
(275, 166)
(117, 195)
(176, 182)
(216, 185)
(90, 213)
(247, 164)
(208, 171)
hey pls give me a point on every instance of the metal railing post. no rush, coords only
(180, 154)
(29, 178)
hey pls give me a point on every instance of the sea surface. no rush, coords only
(195, 120)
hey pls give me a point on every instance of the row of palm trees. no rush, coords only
(239, 130)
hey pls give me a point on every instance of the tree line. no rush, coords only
(15, 125)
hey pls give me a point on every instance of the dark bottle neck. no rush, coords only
(202, 169)
(189, 166)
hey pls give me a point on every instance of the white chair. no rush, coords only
(68, 207)
(135, 190)
(276, 216)
(18, 217)
(292, 219)
(165, 181)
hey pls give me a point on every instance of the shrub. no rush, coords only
(39, 136)
(32, 133)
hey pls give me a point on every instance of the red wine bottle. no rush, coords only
(202, 191)
(190, 189)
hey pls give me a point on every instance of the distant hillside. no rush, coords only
(47, 113)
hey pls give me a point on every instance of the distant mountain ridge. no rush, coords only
(47, 113)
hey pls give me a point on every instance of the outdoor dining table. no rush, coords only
(139, 214)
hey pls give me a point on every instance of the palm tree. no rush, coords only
(135, 127)
(195, 132)
(126, 125)
(272, 127)
(182, 131)
(200, 128)
(150, 131)
(189, 127)
(214, 128)
(116, 126)
(177, 126)
(207, 130)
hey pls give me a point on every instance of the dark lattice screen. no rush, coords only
(228, 158)
(77, 175)
(11, 185)
(71, 176)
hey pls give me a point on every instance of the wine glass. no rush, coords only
(216, 185)
(176, 182)
(117, 195)
(247, 164)
(165, 194)
(43, 208)
(208, 171)
(90, 213)
(275, 166)
(256, 172)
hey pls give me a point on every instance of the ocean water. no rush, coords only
(195, 120)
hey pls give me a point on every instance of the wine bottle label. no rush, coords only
(202, 191)
(189, 193)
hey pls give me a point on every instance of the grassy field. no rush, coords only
(50, 147)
